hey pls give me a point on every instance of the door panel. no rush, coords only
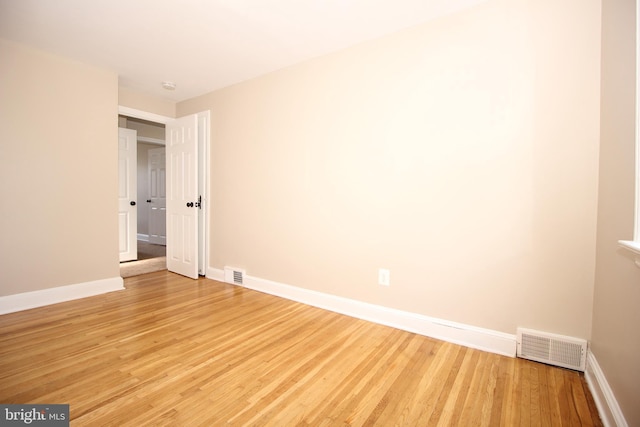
(127, 189)
(182, 196)
(157, 197)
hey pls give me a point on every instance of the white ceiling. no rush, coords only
(204, 45)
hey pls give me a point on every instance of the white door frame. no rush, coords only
(204, 159)
(204, 174)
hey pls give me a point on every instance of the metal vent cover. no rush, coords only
(234, 276)
(558, 350)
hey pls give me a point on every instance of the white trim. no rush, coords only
(636, 228)
(608, 408)
(633, 247)
(457, 333)
(215, 274)
(630, 245)
(27, 300)
(148, 140)
(143, 237)
(205, 118)
(144, 115)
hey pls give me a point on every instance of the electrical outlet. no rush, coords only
(384, 277)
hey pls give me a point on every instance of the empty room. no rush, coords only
(366, 212)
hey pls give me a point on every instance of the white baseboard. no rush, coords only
(27, 300)
(608, 407)
(457, 333)
(143, 237)
(215, 274)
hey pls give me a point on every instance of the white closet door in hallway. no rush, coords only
(157, 196)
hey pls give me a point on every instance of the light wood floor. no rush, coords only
(172, 351)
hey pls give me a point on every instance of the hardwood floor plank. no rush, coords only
(342, 402)
(445, 392)
(502, 396)
(579, 400)
(489, 382)
(460, 388)
(475, 399)
(535, 417)
(561, 397)
(543, 400)
(174, 351)
(401, 399)
(372, 394)
(524, 409)
(573, 396)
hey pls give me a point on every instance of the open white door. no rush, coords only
(157, 196)
(127, 189)
(182, 195)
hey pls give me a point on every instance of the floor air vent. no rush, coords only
(553, 349)
(233, 275)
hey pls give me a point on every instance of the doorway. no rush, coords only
(149, 232)
(203, 149)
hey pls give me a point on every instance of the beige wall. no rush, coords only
(147, 103)
(58, 183)
(461, 154)
(615, 340)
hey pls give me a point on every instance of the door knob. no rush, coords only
(148, 200)
(189, 204)
(132, 203)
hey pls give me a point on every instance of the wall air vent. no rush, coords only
(558, 350)
(235, 276)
